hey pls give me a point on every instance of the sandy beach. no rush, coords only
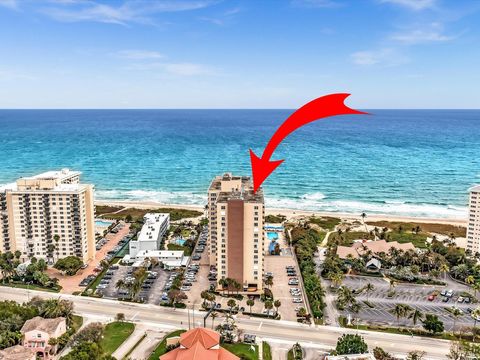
(289, 213)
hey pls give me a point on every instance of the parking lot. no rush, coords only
(426, 298)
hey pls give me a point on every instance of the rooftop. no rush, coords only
(152, 226)
(38, 323)
(199, 344)
(376, 247)
(17, 352)
(233, 187)
(475, 188)
(60, 174)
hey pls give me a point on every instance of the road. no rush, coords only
(286, 331)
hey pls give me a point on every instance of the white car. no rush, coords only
(297, 300)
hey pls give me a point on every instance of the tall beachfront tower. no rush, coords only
(236, 236)
(473, 230)
(52, 208)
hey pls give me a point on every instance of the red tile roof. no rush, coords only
(199, 344)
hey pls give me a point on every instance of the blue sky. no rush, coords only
(238, 53)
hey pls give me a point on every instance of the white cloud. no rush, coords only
(129, 11)
(384, 57)
(416, 5)
(139, 54)
(11, 4)
(419, 36)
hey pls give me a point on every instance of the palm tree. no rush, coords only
(456, 312)
(337, 278)
(269, 281)
(223, 283)
(268, 305)
(368, 289)
(470, 279)
(250, 303)
(363, 216)
(475, 315)
(302, 312)
(213, 315)
(277, 304)
(415, 315)
(231, 304)
(56, 237)
(399, 311)
(444, 269)
(392, 284)
(476, 287)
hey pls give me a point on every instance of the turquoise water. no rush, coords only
(180, 242)
(102, 223)
(272, 236)
(405, 162)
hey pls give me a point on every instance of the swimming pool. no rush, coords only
(272, 236)
(180, 241)
(103, 223)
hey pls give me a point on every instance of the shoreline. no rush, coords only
(290, 213)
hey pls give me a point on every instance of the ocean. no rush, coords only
(399, 162)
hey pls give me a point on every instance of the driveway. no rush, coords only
(70, 283)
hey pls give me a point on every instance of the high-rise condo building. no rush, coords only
(236, 237)
(48, 216)
(473, 230)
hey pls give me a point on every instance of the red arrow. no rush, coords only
(325, 106)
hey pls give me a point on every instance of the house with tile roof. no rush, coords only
(17, 352)
(38, 331)
(199, 344)
(375, 247)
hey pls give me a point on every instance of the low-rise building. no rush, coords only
(150, 236)
(38, 331)
(17, 352)
(374, 247)
(171, 259)
(199, 344)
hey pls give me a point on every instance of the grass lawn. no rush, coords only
(186, 249)
(267, 351)
(348, 237)
(137, 214)
(31, 287)
(418, 240)
(161, 348)
(325, 222)
(242, 350)
(77, 322)
(115, 334)
(275, 219)
(445, 229)
(104, 209)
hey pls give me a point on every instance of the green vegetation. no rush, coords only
(162, 347)
(69, 265)
(105, 209)
(275, 219)
(115, 334)
(295, 353)
(13, 315)
(345, 238)
(17, 274)
(305, 242)
(243, 351)
(136, 215)
(445, 229)
(325, 222)
(418, 240)
(267, 351)
(351, 344)
(86, 344)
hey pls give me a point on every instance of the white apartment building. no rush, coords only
(237, 244)
(150, 236)
(49, 216)
(473, 230)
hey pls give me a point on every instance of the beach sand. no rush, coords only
(290, 213)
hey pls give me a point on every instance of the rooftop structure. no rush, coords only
(35, 210)
(376, 247)
(38, 331)
(171, 259)
(199, 344)
(150, 236)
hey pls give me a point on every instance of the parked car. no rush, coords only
(297, 300)
(196, 257)
(431, 297)
(460, 299)
(449, 293)
(445, 299)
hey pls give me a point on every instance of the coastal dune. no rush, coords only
(289, 213)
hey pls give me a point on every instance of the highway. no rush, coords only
(324, 337)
